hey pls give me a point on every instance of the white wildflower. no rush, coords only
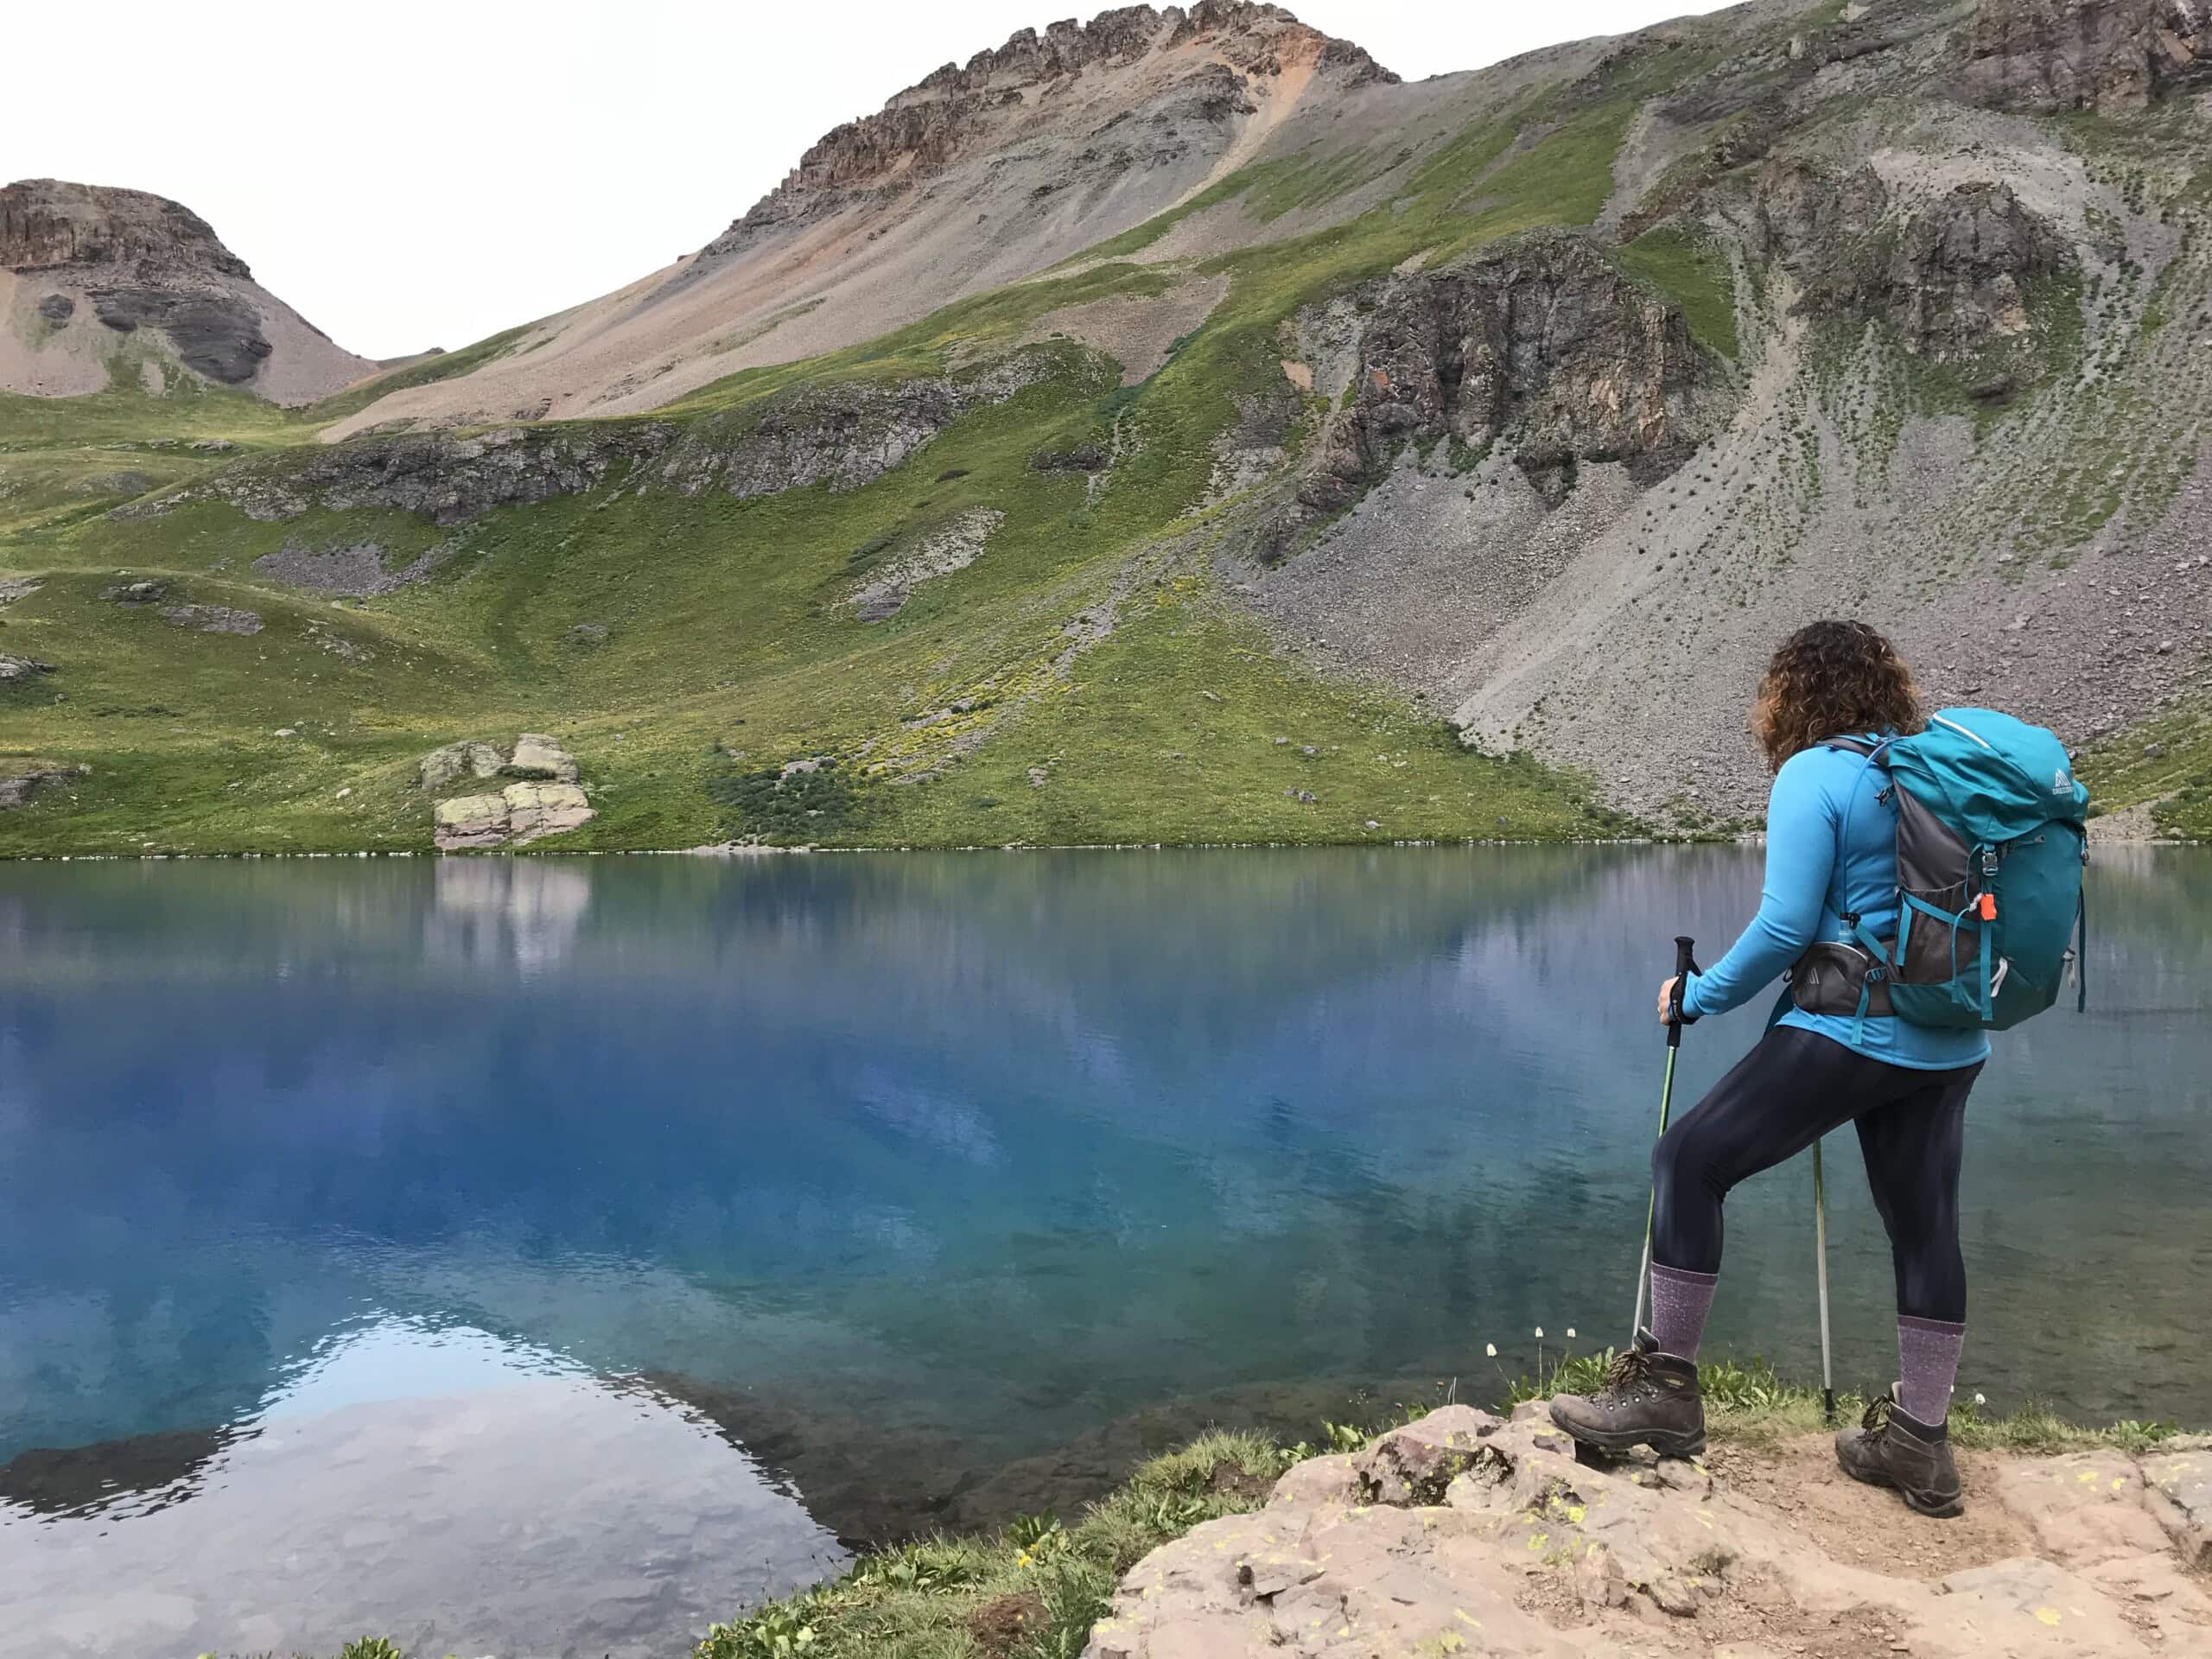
(1490, 1351)
(1540, 1331)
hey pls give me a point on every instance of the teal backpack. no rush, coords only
(1991, 841)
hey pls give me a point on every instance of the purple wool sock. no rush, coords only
(1680, 1301)
(1927, 1361)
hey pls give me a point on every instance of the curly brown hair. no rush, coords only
(1830, 679)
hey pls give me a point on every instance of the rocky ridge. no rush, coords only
(960, 109)
(1465, 1532)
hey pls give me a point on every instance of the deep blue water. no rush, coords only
(549, 1254)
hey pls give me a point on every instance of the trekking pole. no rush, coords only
(1821, 1249)
(1684, 965)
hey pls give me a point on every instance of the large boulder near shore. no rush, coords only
(467, 758)
(545, 798)
(1533, 1549)
(539, 757)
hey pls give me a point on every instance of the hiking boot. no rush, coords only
(1890, 1448)
(1649, 1399)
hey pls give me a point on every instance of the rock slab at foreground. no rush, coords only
(1529, 1551)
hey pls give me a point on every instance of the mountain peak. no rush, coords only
(113, 279)
(1217, 49)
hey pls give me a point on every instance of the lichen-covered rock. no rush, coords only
(57, 308)
(539, 810)
(19, 670)
(465, 759)
(146, 592)
(471, 821)
(2180, 1499)
(1418, 1463)
(538, 756)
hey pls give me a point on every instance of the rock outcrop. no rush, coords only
(1951, 270)
(113, 265)
(545, 799)
(1543, 346)
(844, 434)
(18, 783)
(2112, 56)
(1526, 1551)
(21, 670)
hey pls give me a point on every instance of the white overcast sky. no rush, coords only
(427, 172)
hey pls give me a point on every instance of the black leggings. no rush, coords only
(1792, 1088)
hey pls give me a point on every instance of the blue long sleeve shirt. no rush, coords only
(1831, 850)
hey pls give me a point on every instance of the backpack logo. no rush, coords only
(2061, 784)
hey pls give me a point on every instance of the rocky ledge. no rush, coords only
(844, 434)
(1468, 1534)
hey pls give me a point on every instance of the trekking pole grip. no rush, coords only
(1685, 964)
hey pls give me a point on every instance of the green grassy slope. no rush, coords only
(727, 648)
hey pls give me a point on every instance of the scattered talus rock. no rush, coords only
(211, 619)
(19, 670)
(15, 587)
(1528, 1551)
(346, 570)
(545, 800)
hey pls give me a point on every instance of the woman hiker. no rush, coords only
(1831, 853)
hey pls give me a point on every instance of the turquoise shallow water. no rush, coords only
(552, 1253)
